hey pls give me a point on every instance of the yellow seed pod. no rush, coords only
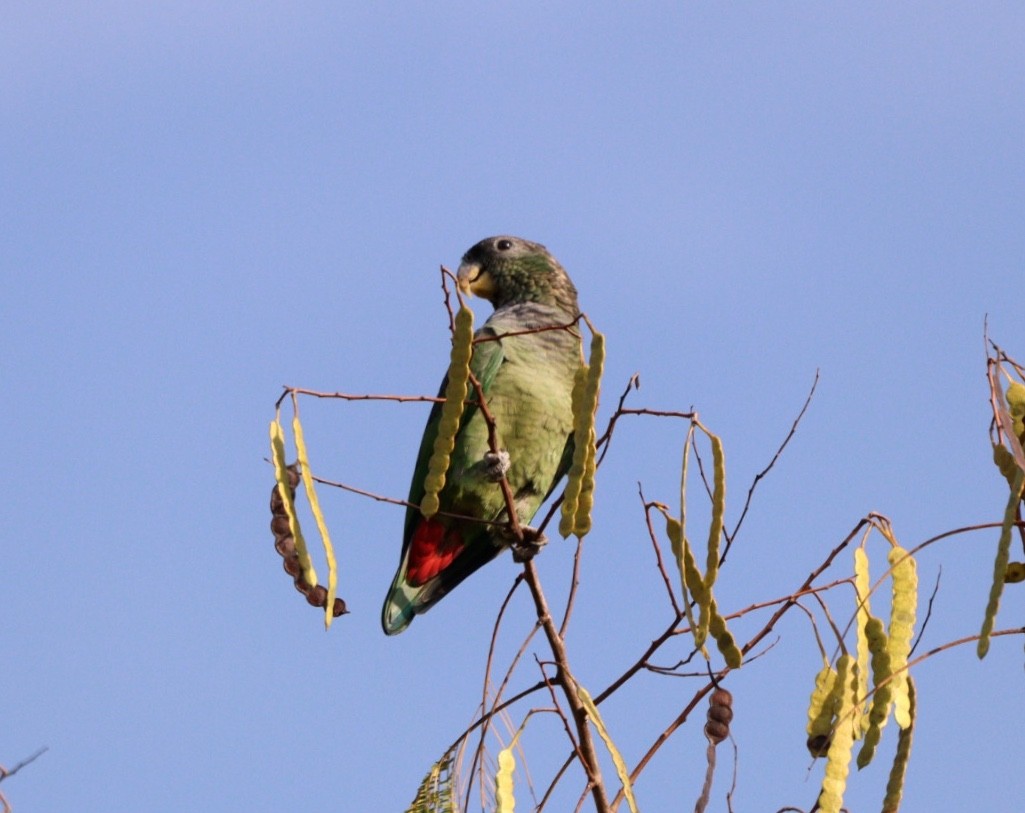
(718, 510)
(821, 710)
(571, 495)
(584, 434)
(724, 639)
(838, 758)
(1015, 396)
(617, 759)
(596, 364)
(318, 516)
(879, 709)
(505, 802)
(690, 576)
(585, 502)
(862, 586)
(1000, 565)
(277, 445)
(902, 626)
(451, 410)
(895, 784)
(1005, 462)
(691, 583)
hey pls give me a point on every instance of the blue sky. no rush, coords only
(202, 202)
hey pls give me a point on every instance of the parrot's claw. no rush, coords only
(533, 541)
(496, 465)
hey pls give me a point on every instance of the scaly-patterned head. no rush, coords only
(510, 270)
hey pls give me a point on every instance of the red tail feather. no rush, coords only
(433, 548)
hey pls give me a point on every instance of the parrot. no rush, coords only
(527, 381)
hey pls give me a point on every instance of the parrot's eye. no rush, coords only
(503, 245)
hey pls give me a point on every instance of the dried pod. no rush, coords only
(720, 715)
(317, 596)
(279, 525)
(339, 608)
(292, 566)
(284, 544)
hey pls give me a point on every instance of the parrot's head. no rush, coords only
(509, 270)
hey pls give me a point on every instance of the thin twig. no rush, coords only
(477, 756)
(4, 773)
(768, 468)
(574, 583)
(401, 399)
(658, 554)
(928, 612)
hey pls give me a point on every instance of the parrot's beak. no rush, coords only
(473, 279)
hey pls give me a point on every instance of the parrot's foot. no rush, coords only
(533, 541)
(496, 465)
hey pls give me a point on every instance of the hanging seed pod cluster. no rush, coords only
(838, 712)
(838, 754)
(456, 389)
(285, 545)
(288, 537)
(695, 585)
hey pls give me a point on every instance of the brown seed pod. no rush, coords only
(284, 544)
(720, 715)
(317, 596)
(292, 566)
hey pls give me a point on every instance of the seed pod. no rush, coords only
(881, 670)
(838, 757)
(895, 784)
(277, 445)
(821, 711)
(1000, 565)
(862, 586)
(724, 640)
(327, 600)
(691, 580)
(902, 626)
(720, 715)
(505, 802)
(1005, 462)
(585, 502)
(718, 510)
(574, 482)
(284, 541)
(579, 495)
(451, 411)
(1015, 396)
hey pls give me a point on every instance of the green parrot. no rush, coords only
(527, 379)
